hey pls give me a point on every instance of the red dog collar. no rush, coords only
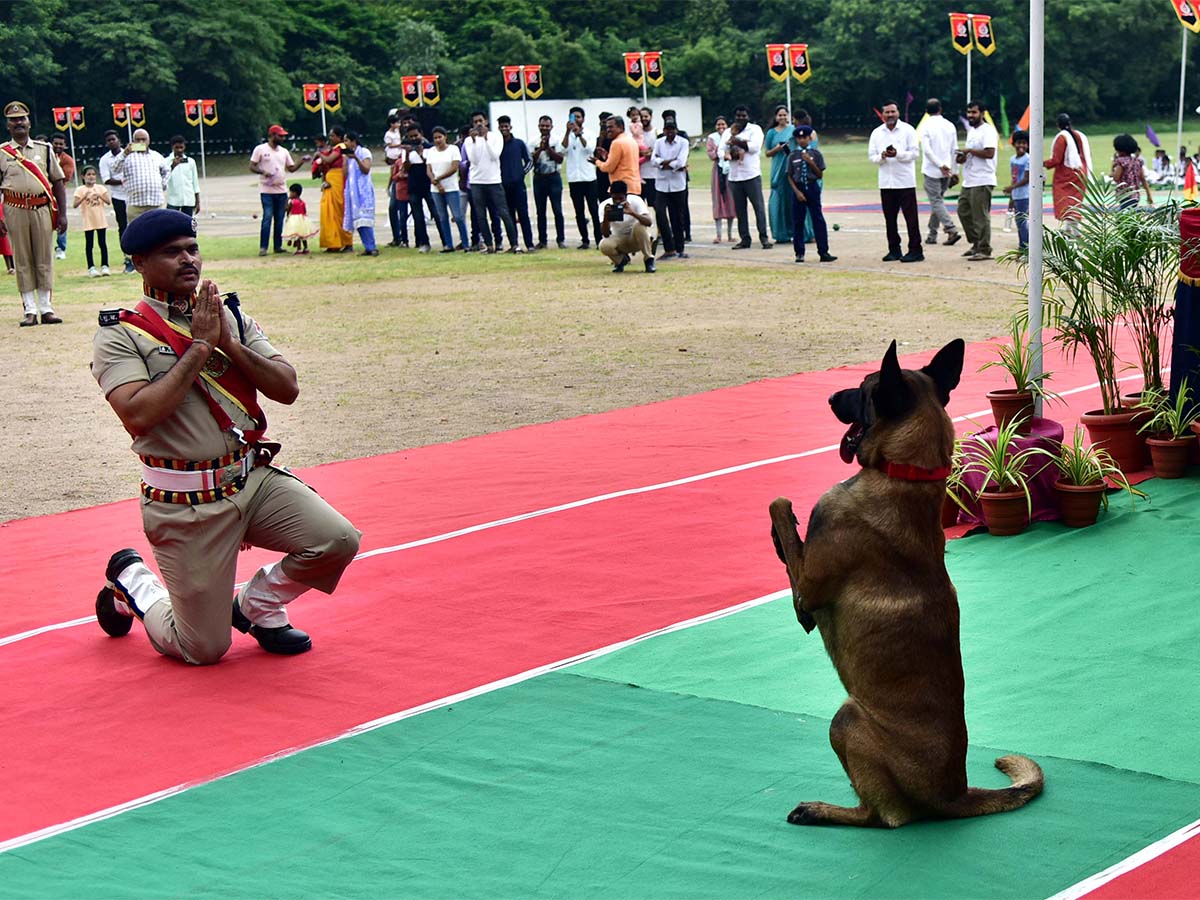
(905, 472)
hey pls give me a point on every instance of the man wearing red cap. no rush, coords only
(270, 162)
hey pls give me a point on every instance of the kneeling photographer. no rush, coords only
(625, 224)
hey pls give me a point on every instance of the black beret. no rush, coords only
(156, 227)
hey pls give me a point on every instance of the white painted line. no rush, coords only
(49, 831)
(1143, 856)
(563, 507)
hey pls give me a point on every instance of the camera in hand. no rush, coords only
(615, 213)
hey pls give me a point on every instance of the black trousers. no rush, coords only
(548, 187)
(897, 200)
(586, 194)
(489, 199)
(418, 202)
(517, 199)
(122, 219)
(99, 234)
(670, 206)
(749, 192)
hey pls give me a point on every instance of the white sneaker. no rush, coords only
(104, 270)
(60, 254)
(93, 272)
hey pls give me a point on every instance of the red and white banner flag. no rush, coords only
(208, 109)
(533, 82)
(985, 40)
(798, 59)
(62, 118)
(312, 97)
(960, 32)
(654, 72)
(513, 87)
(191, 111)
(1186, 11)
(410, 90)
(137, 114)
(777, 63)
(633, 69)
(431, 92)
(333, 97)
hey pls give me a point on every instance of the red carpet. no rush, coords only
(415, 625)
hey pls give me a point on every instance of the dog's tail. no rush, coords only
(1027, 783)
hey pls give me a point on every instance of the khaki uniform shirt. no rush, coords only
(121, 355)
(15, 177)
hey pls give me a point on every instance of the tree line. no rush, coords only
(1110, 59)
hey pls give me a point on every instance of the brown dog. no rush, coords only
(871, 575)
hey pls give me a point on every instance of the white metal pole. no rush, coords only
(788, 57)
(1182, 76)
(324, 127)
(129, 122)
(1037, 180)
(71, 138)
(203, 166)
(421, 91)
(969, 55)
(645, 80)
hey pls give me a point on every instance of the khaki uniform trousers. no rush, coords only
(197, 546)
(975, 213)
(637, 241)
(32, 241)
(132, 212)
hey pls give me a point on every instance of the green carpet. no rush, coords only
(666, 769)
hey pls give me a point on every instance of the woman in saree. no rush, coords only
(722, 202)
(334, 238)
(778, 143)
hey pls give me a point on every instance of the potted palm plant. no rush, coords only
(1085, 472)
(1018, 362)
(1148, 292)
(1004, 493)
(1170, 429)
(1088, 279)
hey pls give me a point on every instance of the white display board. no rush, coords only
(687, 113)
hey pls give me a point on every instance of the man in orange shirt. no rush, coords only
(620, 161)
(67, 162)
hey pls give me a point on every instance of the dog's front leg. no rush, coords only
(790, 550)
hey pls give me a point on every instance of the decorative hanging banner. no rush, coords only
(333, 97)
(191, 111)
(62, 121)
(777, 63)
(985, 41)
(137, 114)
(798, 59)
(208, 109)
(1186, 11)
(633, 69)
(410, 90)
(533, 82)
(512, 82)
(312, 97)
(430, 90)
(77, 120)
(120, 114)
(960, 32)
(654, 72)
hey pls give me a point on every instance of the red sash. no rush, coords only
(225, 376)
(33, 169)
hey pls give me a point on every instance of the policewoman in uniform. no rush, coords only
(182, 370)
(35, 204)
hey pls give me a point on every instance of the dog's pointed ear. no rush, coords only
(893, 398)
(946, 368)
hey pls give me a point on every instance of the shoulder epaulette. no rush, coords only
(110, 316)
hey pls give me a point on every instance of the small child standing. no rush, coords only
(805, 168)
(93, 198)
(1018, 189)
(296, 227)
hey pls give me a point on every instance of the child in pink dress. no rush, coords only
(296, 227)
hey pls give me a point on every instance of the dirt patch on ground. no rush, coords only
(412, 359)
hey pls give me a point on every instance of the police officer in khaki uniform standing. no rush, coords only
(182, 371)
(35, 203)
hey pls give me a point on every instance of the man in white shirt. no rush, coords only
(393, 148)
(116, 186)
(183, 184)
(144, 174)
(646, 168)
(487, 193)
(745, 178)
(581, 176)
(978, 181)
(625, 224)
(893, 148)
(670, 166)
(939, 143)
(271, 163)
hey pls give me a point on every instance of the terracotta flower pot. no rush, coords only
(1117, 433)
(1005, 512)
(1170, 456)
(1142, 415)
(1079, 504)
(1010, 403)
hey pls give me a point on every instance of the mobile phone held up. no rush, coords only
(615, 213)
(138, 147)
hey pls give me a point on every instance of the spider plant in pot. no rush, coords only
(1018, 362)
(956, 489)
(1004, 493)
(1085, 278)
(1085, 472)
(1170, 429)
